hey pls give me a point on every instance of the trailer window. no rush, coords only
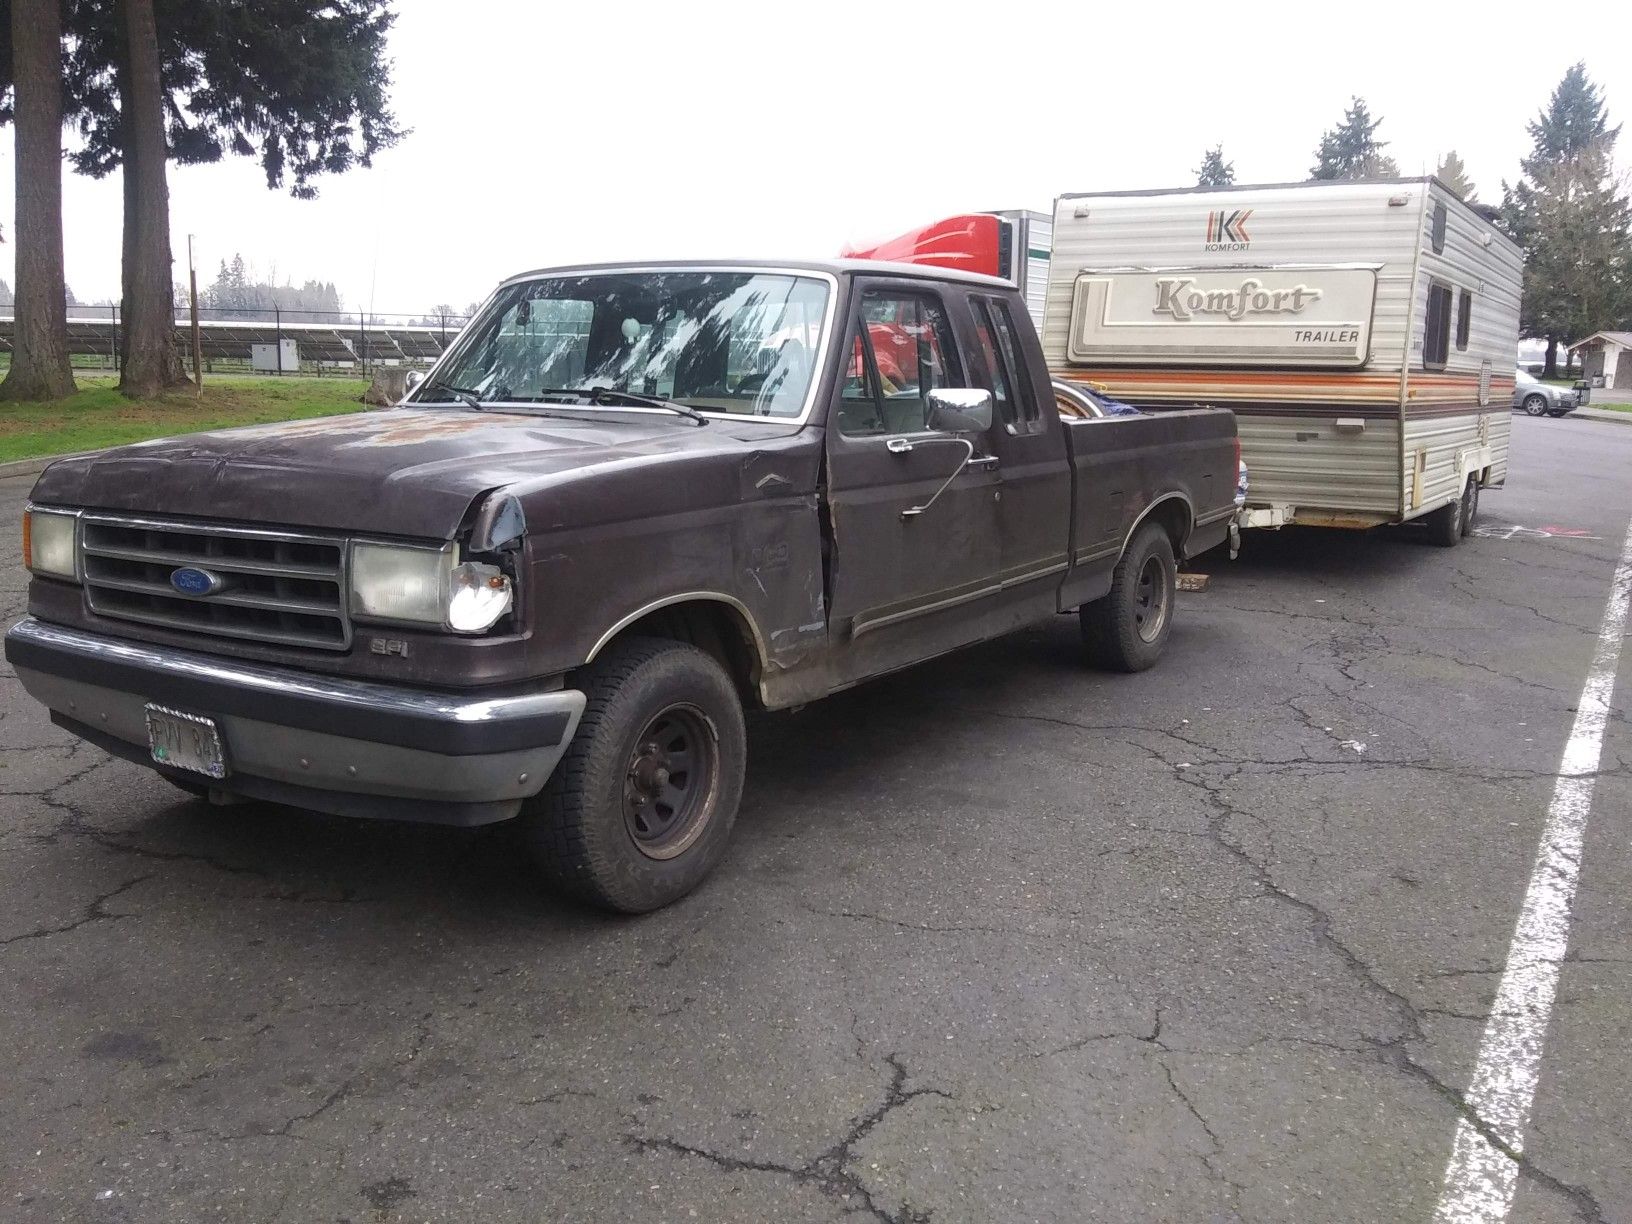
(1436, 232)
(1436, 331)
(1464, 318)
(901, 352)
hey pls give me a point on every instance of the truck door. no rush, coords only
(1034, 514)
(905, 587)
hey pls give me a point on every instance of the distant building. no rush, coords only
(1606, 355)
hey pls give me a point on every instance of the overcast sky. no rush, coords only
(547, 133)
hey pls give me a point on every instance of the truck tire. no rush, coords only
(641, 806)
(1127, 629)
(1445, 524)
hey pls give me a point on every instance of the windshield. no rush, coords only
(1524, 376)
(741, 343)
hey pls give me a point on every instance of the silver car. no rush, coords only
(1542, 399)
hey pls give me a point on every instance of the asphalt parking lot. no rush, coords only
(1000, 939)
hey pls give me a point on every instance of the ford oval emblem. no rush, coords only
(191, 581)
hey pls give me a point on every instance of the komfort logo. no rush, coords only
(1178, 296)
(1227, 231)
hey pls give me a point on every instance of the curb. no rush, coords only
(1600, 414)
(33, 467)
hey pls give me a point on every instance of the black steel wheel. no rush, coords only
(1127, 629)
(669, 788)
(640, 808)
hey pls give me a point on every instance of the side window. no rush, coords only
(901, 353)
(993, 373)
(1436, 231)
(1464, 318)
(1026, 403)
(1436, 332)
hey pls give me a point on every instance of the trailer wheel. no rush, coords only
(1127, 629)
(1445, 524)
(640, 808)
(1470, 505)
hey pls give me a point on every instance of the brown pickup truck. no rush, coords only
(627, 503)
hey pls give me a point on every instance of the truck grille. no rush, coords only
(275, 586)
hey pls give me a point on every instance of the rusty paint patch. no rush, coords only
(406, 429)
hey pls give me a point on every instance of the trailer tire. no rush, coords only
(1470, 505)
(1445, 524)
(640, 808)
(1127, 629)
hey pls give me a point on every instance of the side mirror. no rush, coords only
(415, 377)
(960, 410)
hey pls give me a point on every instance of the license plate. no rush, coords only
(185, 741)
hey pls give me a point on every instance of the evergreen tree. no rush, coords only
(1214, 171)
(298, 84)
(150, 361)
(1573, 122)
(39, 361)
(1572, 219)
(1454, 175)
(1351, 150)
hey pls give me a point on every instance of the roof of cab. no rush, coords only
(832, 267)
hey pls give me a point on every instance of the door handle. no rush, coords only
(983, 461)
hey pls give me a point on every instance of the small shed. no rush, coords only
(1606, 355)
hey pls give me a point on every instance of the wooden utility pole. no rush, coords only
(198, 344)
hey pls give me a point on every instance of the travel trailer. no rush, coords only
(1364, 333)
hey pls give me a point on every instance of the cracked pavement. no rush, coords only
(999, 939)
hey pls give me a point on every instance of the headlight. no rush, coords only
(425, 586)
(481, 594)
(48, 542)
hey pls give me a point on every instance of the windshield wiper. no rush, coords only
(470, 399)
(600, 395)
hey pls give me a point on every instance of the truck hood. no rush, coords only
(399, 472)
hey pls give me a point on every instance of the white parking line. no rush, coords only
(1480, 1179)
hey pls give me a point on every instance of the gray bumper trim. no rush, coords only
(474, 722)
(357, 772)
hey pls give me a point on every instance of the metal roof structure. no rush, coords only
(341, 343)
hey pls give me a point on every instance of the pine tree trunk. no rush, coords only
(152, 360)
(39, 359)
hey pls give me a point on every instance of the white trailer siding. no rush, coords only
(1038, 253)
(1458, 419)
(1030, 237)
(1325, 437)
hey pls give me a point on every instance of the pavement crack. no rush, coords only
(829, 1172)
(94, 911)
(1582, 1202)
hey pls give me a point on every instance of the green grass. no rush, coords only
(98, 416)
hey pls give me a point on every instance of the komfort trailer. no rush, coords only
(1364, 333)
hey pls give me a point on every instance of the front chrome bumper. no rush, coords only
(352, 747)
